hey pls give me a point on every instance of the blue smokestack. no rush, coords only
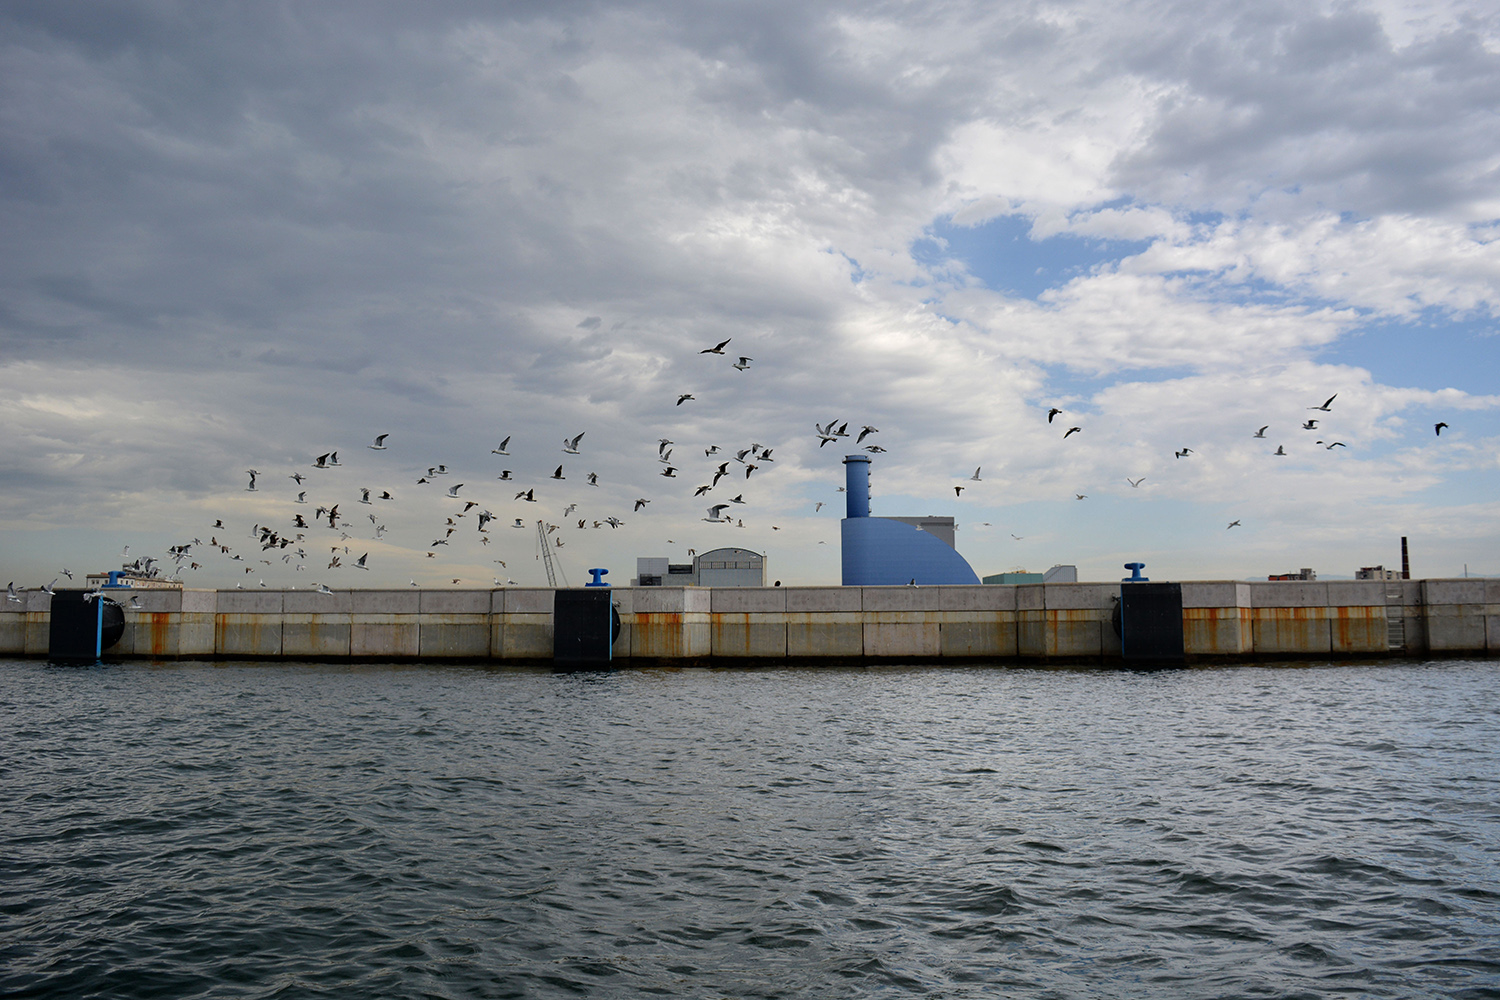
(857, 484)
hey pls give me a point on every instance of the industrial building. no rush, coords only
(726, 567)
(1057, 574)
(890, 551)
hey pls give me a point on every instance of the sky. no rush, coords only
(242, 235)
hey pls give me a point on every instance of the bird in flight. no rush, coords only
(1280, 450)
(1135, 484)
(1233, 524)
(570, 446)
(874, 449)
(557, 474)
(1326, 403)
(453, 490)
(504, 474)
(379, 444)
(975, 476)
(1333, 445)
(1081, 496)
(742, 364)
(865, 432)
(593, 479)
(684, 398)
(1262, 432)
(1052, 412)
(640, 503)
(1437, 428)
(1071, 430)
(252, 474)
(717, 348)
(1183, 453)
(958, 491)
(1311, 424)
(501, 450)
(669, 472)
(321, 462)
(716, 513)
(528, 495)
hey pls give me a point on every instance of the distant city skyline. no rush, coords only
(239, 238)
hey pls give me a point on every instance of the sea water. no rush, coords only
(314, 830)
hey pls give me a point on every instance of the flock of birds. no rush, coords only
(299, 539)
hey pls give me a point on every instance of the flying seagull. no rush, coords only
(958, 491)
(639, 504)
(1262, 432)
(1052, 412)
(716, 513)
(557, 474)
(1437, 428)
(743, 363)
(379, 444)
(1236, 524)
(252, 474)
(975, 476)
(593, 479)
(453, 490)
(570, 446)
(1071, 430)
(865, 432)
(1326, 403)
(684, 398)
(717, 348)
(1280, 450)
(1183, 453)
(1312, 423)
(501, 450)
(1135, 483)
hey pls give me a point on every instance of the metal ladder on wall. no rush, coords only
(1395, 627)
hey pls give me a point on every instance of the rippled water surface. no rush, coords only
(200, 830)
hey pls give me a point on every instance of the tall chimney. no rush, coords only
(857, 484)
(1405, 561)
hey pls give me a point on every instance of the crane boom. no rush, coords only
(541, 540)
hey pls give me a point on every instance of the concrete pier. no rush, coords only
(1025, 623)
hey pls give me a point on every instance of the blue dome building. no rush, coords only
(890, 551)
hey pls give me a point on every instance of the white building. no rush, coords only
(726, 567)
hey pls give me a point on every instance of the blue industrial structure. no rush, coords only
(887, 551)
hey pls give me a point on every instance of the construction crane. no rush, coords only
(546, 556)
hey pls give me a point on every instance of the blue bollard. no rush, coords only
(598, 578)
(1135, 573)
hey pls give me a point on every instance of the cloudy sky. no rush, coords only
(239, 236)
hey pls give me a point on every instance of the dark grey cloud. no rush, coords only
(1292, 97)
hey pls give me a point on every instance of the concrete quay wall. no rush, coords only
(1065, 622)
